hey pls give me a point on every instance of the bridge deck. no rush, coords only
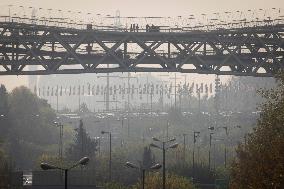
(27, 49)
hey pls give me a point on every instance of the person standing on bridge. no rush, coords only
(147, 28)
(137, 28)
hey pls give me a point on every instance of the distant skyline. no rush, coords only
(138, 8)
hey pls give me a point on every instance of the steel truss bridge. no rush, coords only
(30, 49)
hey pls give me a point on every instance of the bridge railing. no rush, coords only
(62, 23)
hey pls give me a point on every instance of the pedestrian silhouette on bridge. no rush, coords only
(147, 28)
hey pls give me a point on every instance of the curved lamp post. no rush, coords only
(143, 169)
(164, 147)
(83, 161)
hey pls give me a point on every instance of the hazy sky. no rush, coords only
(139, 8)
(149, 7)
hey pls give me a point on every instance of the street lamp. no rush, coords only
(143, 169)
(82, 161)
(164, 148)
(104, 132)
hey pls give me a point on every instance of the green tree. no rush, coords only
(4, 109)
(83, 108)
(31, 117)
(260, 160)
(200, 172)
(3, 100)
(154, 181)
(148, 157)
(31, 131)
(4, 168)
(83, 144)
(114, 185)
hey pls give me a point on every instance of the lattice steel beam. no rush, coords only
(257, 51)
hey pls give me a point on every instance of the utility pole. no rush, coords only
(217, 97)
(225, 163)
(128, 100)
(110, 161)
(147, 91)
(60, 151)
(110, 154)
(214, 156)
(57, 99)
(163, 81)
(128, 88)
(107, 100)
(151, 95)
(175, 78)
(175, 91)
(195, 135)
(10, 12)
(61, 141)
(184, 146)
(183, 92)
(162, 94)
(107, 91)
(164, 165)
(199, 103)
(167, 131)
(79, 92)
(226, 140)
(99, 144)
(81, 129)
(209, 155)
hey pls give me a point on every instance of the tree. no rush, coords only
(154, 181)
(260, 160)
(31, 117)
(148, 158)
(200, 172)
(3, 100)
(114, 185)
(4, 168)
(29, 127)
(83, 108)
(4, 109)
(83, 145)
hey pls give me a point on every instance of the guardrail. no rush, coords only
(160, 28)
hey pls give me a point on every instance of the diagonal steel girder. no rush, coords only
(71, 51)
(191, 53)
(149, 51)
(110, 51)
(33, 50)
(153, 53)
